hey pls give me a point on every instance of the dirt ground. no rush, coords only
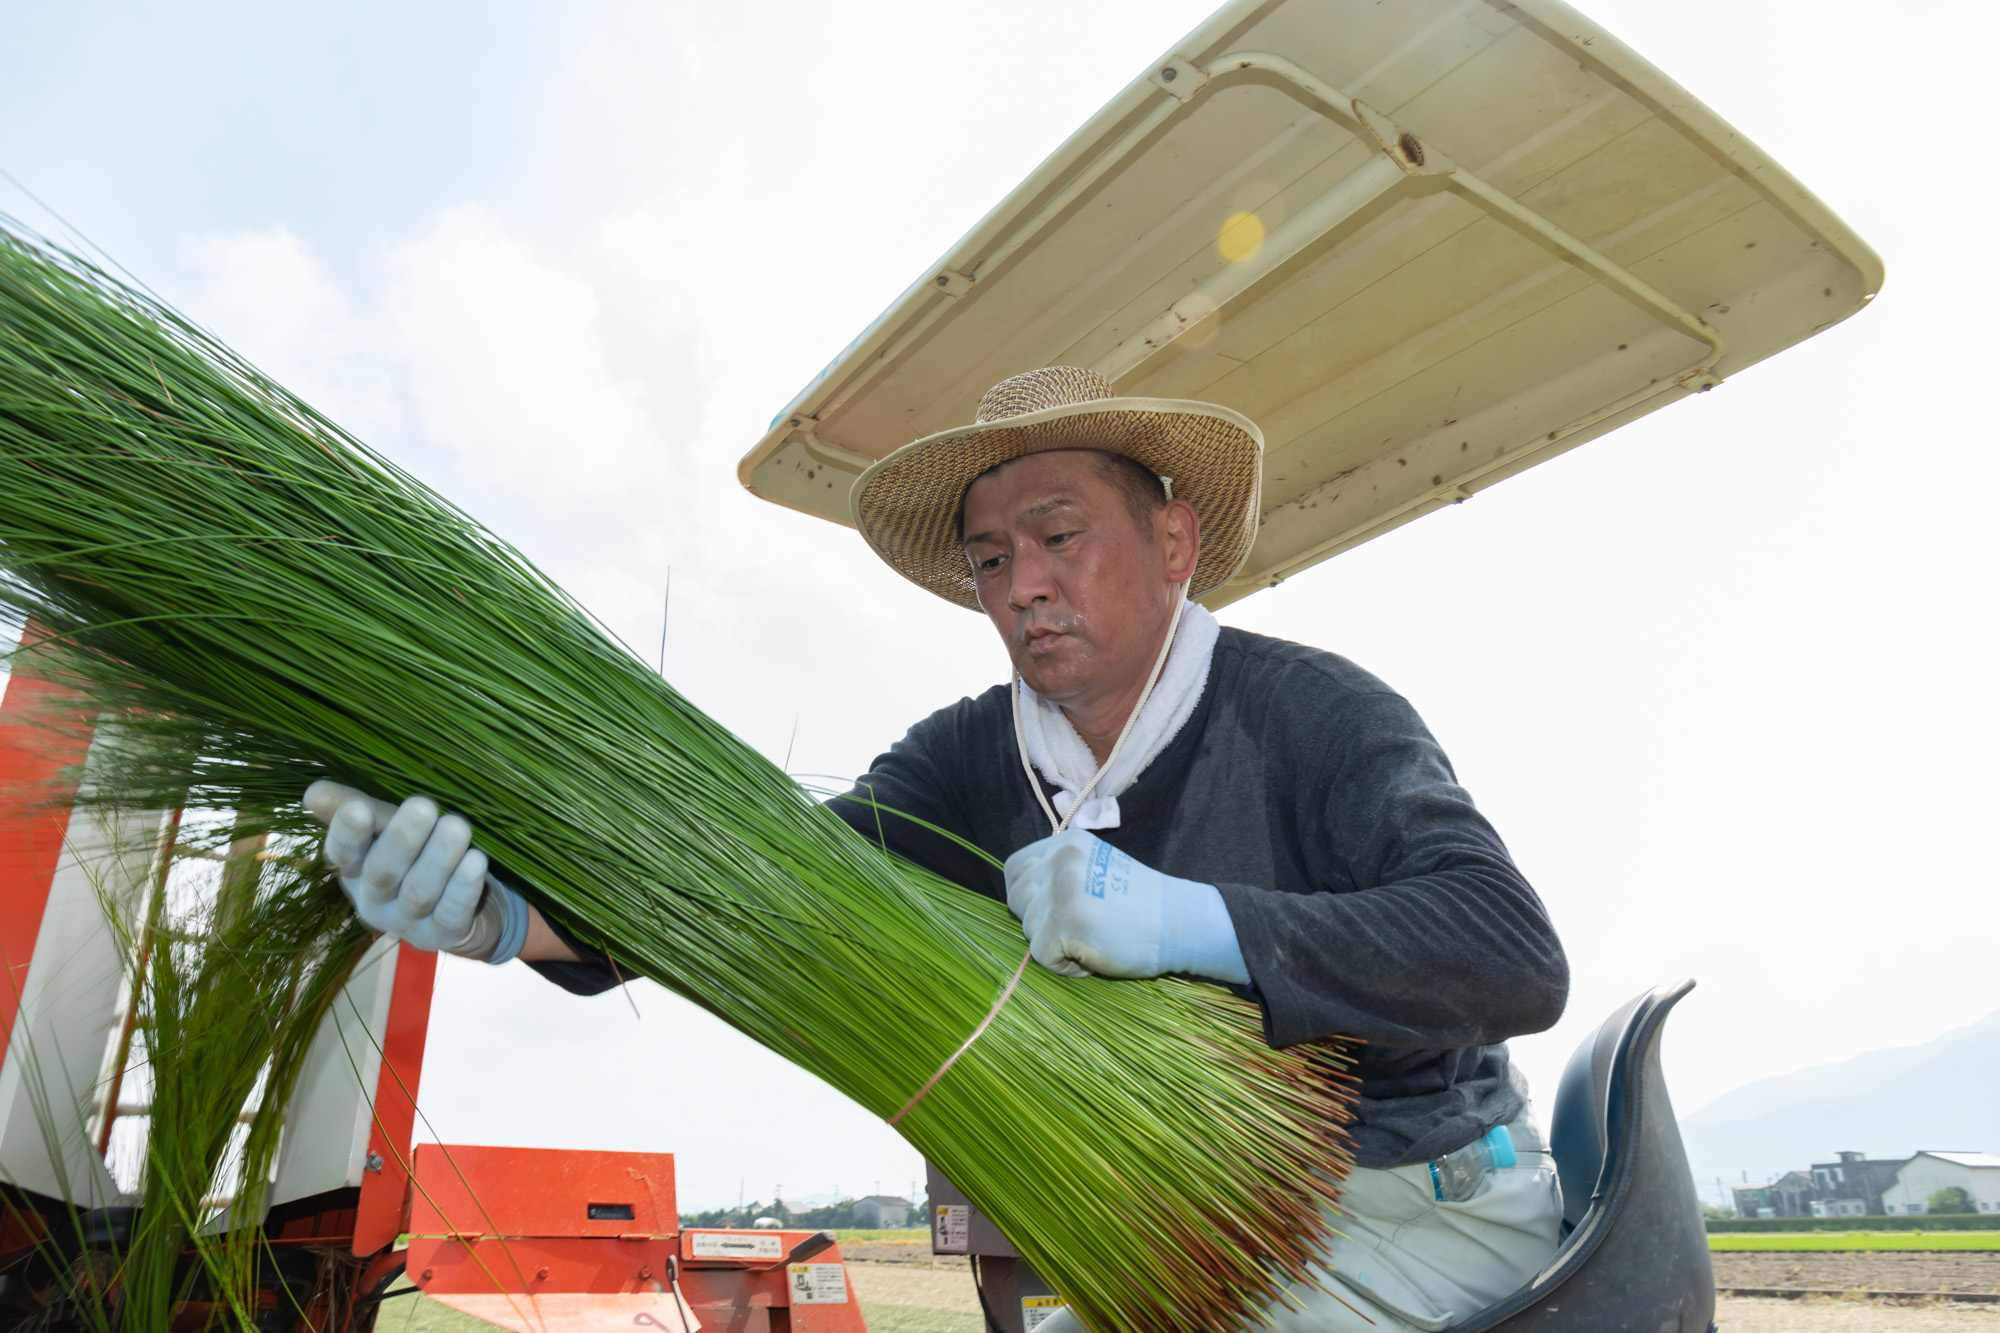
(1830, 1316)
(943, 1289)
(1832, 1270)
(908, 1298)
(903, 1296)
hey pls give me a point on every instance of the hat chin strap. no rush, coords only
(1021, 739)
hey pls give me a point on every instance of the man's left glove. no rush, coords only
(1088, 908)
(414, 873)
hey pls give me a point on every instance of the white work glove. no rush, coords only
(415, 874)
(1088, 908)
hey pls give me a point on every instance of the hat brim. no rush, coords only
(907, 505)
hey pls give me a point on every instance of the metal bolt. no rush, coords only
(944, 280)
(796, 423)
(1167, 74)
(541, 1275)
(426, 1276)
(373, 1161)
(645, 1273)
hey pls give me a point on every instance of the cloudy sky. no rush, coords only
(1723, 679)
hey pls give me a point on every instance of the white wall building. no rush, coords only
(1839, 1208)
(1977, 1173)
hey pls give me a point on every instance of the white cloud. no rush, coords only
(508, 369)
(271, 297)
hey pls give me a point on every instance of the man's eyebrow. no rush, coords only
(1028, 515)
(1047, 507)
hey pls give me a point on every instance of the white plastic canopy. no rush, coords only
(1424, 245)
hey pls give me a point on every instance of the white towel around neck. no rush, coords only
(1059, 753)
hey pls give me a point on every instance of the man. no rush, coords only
(1170, 797)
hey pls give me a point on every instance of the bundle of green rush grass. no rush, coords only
(233, 969)
(233, 989)
(259, 596)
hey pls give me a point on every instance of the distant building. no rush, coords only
(1852, 1186)
(1977, 1173)
(1839, 1208)
(1790, 1195)
(883, 1212)
(1862, 1186)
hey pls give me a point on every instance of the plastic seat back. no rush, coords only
(1578, 1121)
(1635, 1256)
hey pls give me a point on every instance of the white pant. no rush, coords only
(1407, 1262)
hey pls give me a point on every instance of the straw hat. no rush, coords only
(908, 504)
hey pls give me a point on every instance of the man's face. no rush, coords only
(1078, 588)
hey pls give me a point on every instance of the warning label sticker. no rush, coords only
(819, 1284)
(949, 1234)
(735, 1245)
(1034, 1309)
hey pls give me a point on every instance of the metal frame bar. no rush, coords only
(1378, 176)
(1403, 156)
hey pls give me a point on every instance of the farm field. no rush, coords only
(1854, 1240)
(897, 1236)
(906, 1298)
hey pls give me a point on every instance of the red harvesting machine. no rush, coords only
(535, 1240)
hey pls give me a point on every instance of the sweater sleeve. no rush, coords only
(907, 803)
(1423, 933)
(593, 973)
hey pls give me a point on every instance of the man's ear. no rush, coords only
(1179, 529)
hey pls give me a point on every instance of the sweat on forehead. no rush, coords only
(1142, 491)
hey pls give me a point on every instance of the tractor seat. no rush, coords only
(1634, 1255)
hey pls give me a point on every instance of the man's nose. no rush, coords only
(1029, 584)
